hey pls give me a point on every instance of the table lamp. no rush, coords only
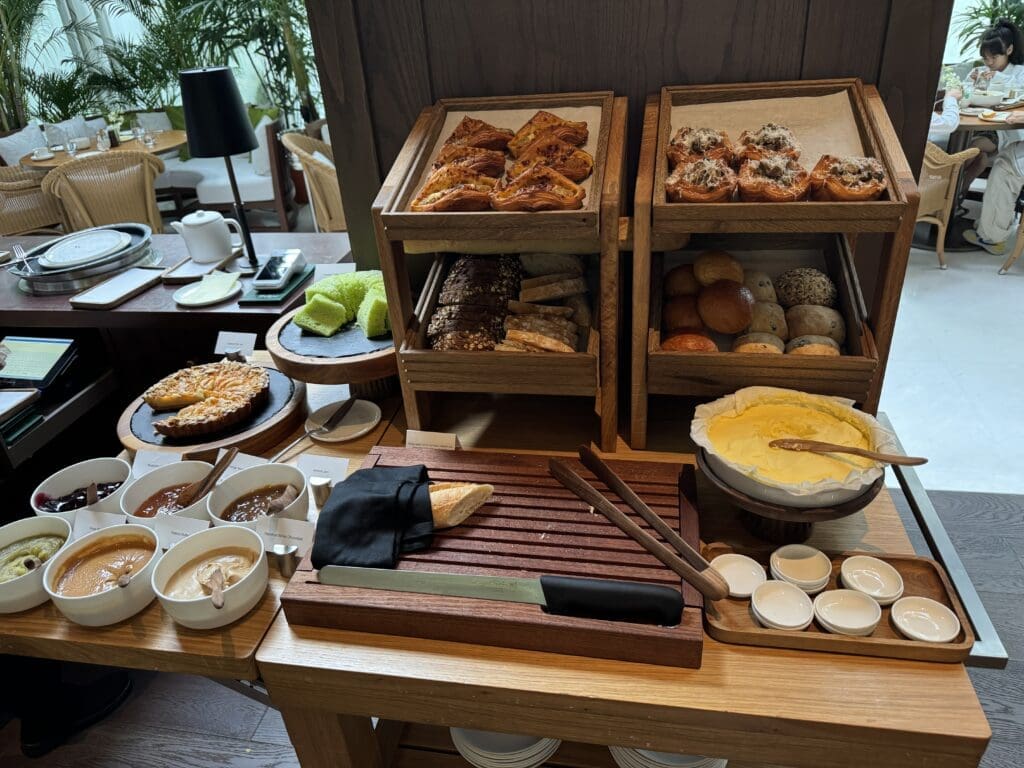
(217, 124)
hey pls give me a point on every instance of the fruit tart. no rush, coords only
(573, 163)
(569, 131)
(454, 188)
(847, 178)
(538, 188)
(691, 144)
(773, 178)
(476, 133)
(489, 162)
(770, 138)
(704, 180)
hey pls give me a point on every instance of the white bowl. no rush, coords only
(921, 618)
(801, 565)
(170, 474)
(743, 574)
(781, 605)
(757, 490)
(239, 598)
(986, 98)
(100, 470)
(487, 749)
(111, 606)
(873, 577)
(251, 478)
(847, 612)
(27, 591)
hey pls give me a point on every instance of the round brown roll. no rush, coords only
(711, 266)
(679, 313)
(680, 281)
(726, 306)
(688, 341)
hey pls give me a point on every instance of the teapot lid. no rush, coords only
(200, 217)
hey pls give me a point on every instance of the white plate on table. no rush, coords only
(90, 153)
(361, 419)
(998, 117)
(87, 247)
(181, 296)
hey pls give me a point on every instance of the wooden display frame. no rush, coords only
(594, 229)
(654, 218)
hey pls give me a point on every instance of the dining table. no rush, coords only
(164, 141)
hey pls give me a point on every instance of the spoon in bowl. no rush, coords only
(816, 446)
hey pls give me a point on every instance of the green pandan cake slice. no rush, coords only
(372, 316)
(321, 315)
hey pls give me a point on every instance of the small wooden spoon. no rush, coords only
(125, 578)
(815, 446)
(278, 504)
(200, 488)
(215, 583)
(92, 494)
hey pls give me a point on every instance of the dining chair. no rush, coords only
(24, 207)
(321, 180)
(108, 188)
(937, 185)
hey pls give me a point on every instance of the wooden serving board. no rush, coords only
(532, 526)
(731, 620)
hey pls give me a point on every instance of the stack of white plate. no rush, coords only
(644, 758)
(486, 749)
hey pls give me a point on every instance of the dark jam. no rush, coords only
(73, 500)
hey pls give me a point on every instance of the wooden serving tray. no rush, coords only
(731, 621)
(531, 527)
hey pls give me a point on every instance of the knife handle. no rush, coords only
(610, 600)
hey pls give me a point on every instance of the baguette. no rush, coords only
(552, 291)
(452, 503)
(525, 308)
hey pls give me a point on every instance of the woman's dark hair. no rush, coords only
(997, 39)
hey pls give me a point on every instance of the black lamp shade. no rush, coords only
(216, 120)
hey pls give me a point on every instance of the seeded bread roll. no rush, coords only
(761, 286)
(812, 320)
(680, 281)
(726, 306)
(805, 285)
(769, 318)
(813, 345)
(712, 266)
(759, 344)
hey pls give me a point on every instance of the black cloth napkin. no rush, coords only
(373, 517)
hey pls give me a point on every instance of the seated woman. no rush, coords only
(945, 117)
(998, 207)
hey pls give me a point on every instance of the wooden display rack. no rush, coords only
(857, 375)
(592, 229)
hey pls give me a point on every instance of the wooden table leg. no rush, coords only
(329, 740)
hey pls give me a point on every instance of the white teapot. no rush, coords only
(207, 236)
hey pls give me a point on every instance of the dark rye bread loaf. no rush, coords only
(465, 317)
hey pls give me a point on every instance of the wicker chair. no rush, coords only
(24, 207)
(321, 179)
(938, 183)
(107, 189)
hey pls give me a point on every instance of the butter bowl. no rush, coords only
(250, 479)
(239, 598)
(873, 577)
(141, 489)
(104, 469)
(26, 591)
(116, 603)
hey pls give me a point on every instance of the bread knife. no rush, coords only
(605, 599)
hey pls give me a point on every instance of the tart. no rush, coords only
(489, 162)
(476, 133)
(773, 178)
(572, 162)
(538, 188)
(705, 180)
(210, 397)
(454, 188)
(691, 144)
(847, 178)
(570, 131)
(770, 138)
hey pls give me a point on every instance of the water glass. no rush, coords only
(137, 131)
(148, 139)
(72, 147)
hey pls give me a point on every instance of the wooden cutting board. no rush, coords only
(532, 526)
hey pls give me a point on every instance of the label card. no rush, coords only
(242, 461)
(146, 461)
(89, 520)
(282, 530)
(320, 271)
(333, 468)
(416, 438)
(230, 341)
(170, 529)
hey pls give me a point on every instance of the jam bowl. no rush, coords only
(142, 499)
(64, 493)
(17, 541)
(241, 498)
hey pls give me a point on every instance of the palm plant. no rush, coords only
(62, 94)
(982, 15)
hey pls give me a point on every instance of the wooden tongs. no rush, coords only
(691, 567)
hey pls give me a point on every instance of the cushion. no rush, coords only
(95, 125)
(318, 155)
(154, 121)
(325, 132)
(258, 113)
(17, 145)
(261, 155)
(215, 188)
(176, 115)
(73, 128)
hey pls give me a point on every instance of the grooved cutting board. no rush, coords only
(531, 526)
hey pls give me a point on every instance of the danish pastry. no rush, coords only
(454, 188)
(569, 131)
(572, 162)
(691, 144)
(476, 133)
(773, 179)
(489, 162)
(770, 138)
(705, 180)
(538, 188)
(847, 178)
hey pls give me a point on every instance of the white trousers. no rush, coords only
(998, 219)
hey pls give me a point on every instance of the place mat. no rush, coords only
(253, 297)
(347, 342)
(281, 390)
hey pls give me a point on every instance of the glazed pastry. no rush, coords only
(688, 341)
(476, 133)
(847, 178)
(773, 179)
(489, 162)
(569, 131)
(702, 181)
(691, 144)
(549, 150)
(538, 188)
(770, 138)
(454, 188)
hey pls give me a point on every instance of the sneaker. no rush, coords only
(996, 249)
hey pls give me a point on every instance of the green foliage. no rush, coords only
(982, 15)
(61, 95)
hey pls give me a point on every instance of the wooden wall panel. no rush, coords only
(845, 38)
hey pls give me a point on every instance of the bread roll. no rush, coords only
(761, 286)
(759, 344)
(680, 281)
(812, 320)
(813, 345)
(727, 306)
(688, 341)
(712, 266)
(452, 503)
(680, 313)
(769, 318)
(805, 285)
